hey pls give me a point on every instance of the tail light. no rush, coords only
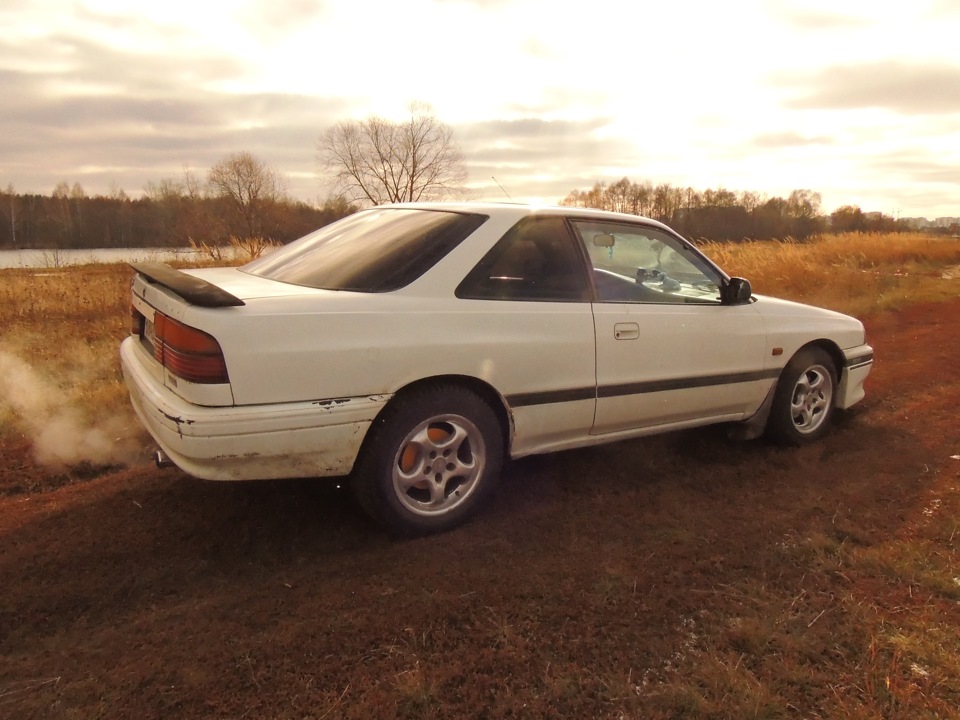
(186, 352)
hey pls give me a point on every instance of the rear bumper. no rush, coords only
(304, 439)
(857, 365)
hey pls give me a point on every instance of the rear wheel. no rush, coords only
(430, 460)
(803, 403)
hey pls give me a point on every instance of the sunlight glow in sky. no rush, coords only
(859, 101)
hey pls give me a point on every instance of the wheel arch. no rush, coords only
(481, 388)
(833, 351)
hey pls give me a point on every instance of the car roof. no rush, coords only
(519, 210)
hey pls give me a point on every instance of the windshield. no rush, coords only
(372, 251)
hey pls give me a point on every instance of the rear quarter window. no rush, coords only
(536, 260)
(375, 250)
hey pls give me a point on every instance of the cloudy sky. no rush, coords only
(858, 100)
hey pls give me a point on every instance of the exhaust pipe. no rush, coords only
(161, 460)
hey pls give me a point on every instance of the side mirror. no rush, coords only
(736, 292)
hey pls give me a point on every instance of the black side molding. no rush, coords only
(859, 361)
(192, 289)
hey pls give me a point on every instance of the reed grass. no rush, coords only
(855, 273)
(66, 324)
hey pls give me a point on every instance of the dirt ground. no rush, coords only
(664, 577)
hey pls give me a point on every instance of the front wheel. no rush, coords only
(803, 403)
(430, 460)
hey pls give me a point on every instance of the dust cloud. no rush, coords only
(60, 433)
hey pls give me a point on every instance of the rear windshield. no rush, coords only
(372, 251)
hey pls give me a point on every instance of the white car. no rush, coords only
(414, 346)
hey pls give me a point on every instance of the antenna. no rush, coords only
(501, 187)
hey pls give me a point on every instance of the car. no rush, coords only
(414, 347)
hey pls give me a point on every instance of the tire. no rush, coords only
(803, 403)
(430, 460)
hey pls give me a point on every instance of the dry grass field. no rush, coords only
(858, 274)
(681, 576)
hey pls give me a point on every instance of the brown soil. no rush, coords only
(604, 582)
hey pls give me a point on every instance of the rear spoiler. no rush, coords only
(192, 289)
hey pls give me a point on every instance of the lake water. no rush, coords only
(61, 258)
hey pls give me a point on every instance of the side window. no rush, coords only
(537, 259)
(633, 263)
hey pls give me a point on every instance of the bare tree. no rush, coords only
(183, 210)
(380, 161)
(252, 188)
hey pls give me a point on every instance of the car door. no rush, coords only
(669, 353)
(528, 303)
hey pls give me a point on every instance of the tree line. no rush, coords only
(724, 215)
(235, 203)
(241, 197)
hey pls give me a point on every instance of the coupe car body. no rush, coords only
(413, 346)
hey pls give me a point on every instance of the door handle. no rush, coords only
(626, 331)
